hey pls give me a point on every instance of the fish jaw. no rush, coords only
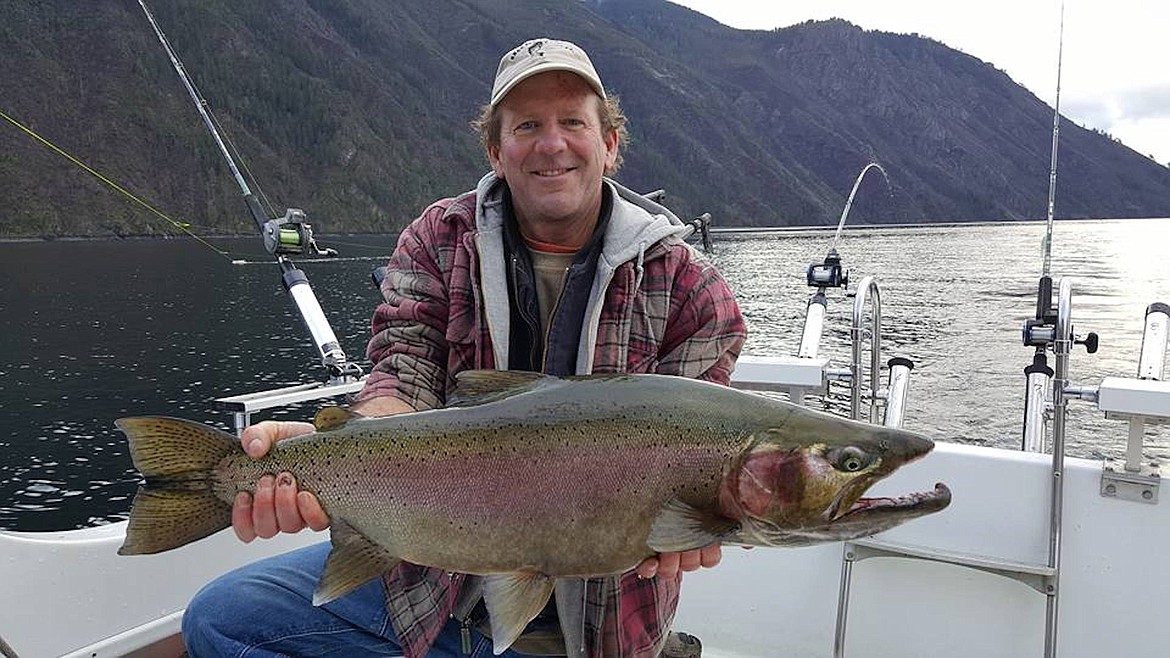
(788, 492)
(869, 516)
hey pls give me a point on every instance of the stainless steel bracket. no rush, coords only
(1039, 577)
(1137, 487)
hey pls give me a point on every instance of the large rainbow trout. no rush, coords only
(534, 481)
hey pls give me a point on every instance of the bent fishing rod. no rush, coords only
(283, 236)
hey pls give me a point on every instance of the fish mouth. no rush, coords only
(912, 504)
(864, 517)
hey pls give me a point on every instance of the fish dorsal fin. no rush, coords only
(681, 527)
(331, 418)
(475, 387)
(353, 562)
(512, 601)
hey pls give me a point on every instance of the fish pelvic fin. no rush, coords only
(176, 506)
(354, 561)
(513, 600)
(683, 527)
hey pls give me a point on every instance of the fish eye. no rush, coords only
(850, 459)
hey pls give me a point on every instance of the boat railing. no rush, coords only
(243, 406)
(1140, 401)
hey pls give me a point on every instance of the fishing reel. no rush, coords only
(829, 274)
(292, 235)
(1040, 332)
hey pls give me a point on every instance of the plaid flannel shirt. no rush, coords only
(670, 313)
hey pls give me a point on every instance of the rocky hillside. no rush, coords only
(358, 112)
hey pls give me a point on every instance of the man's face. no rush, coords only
(552, 150)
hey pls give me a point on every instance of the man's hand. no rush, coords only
(277, 506)
(668, 565)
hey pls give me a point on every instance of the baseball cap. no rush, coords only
(540, 55)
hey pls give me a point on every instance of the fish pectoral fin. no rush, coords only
(682, 527)
(331, 418)
(512, 601)
(476, 387)
(354, 561)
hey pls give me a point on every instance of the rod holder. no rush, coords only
(814, 326)
(1036, 407)
(899, 386)
(332, 356)
(1152, 363)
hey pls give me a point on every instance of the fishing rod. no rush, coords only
(1047, 268)
(1051, 328)
(829, 274)
(1040, 331)
(283, 236)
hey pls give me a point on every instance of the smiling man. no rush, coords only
(551, 140)
(550, 266)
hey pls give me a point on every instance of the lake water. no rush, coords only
(92, 331)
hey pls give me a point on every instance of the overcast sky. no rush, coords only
(1116, 65)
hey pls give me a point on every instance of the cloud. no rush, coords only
(1138, 117)
(1150, 102)
(1128, 105)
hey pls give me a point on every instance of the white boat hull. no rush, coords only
(70, 593)
(784, 602)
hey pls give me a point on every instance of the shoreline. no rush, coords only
(728, 230)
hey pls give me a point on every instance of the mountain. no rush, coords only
(358, 112)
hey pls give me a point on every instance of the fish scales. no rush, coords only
(536, 480)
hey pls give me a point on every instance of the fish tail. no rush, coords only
(176, 505)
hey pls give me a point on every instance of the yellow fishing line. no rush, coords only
(179, 226)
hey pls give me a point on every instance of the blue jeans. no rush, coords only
(265, 609)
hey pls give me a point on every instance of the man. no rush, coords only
(549, 266)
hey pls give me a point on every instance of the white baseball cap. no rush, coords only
(538, 56)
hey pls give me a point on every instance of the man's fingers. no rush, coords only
(647, 568)
(263, 512)
(689, 560)
(242, 517)
(710, 556)
(312, 512)
(258, 439)
(288, 517)
(668, 564)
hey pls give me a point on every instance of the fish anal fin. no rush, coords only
(475, 387)
(512, 601)
(331, 418)
(353, 562)
(682, 527)
(570, 597)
